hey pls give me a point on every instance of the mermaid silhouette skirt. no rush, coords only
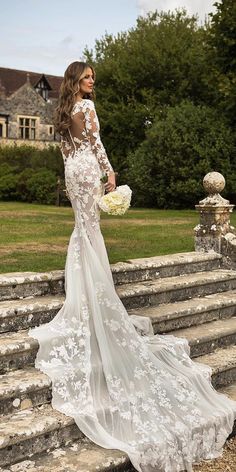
(141, 394)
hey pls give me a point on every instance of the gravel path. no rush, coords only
(226, 463)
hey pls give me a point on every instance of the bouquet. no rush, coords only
(116, 202)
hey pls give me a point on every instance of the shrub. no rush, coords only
(42, 187)
(24, 157)
(29, 174)
(23, 192)
(8, 187)
(6, 168)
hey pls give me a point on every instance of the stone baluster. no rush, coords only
(214, 231)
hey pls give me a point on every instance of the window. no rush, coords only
(27, 127)
(50, 129)
(3, 126)
(42, 89)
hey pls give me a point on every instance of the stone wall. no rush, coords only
(26, 102)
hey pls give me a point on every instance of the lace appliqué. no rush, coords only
(141, 394)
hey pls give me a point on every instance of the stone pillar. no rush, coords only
(214, 213)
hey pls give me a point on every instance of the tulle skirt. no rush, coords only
(125, 387)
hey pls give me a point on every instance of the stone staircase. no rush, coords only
(188, 295)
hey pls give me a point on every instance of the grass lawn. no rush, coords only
(35, 237)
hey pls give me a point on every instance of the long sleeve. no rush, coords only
(92, 131)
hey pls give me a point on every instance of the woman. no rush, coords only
(140, 394)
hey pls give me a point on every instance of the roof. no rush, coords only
(13, 79)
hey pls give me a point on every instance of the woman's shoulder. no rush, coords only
(83, 105)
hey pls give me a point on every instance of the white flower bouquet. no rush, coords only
(116, 202)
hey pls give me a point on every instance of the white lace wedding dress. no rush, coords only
(140, 394)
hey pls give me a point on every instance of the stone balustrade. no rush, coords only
(214, 231)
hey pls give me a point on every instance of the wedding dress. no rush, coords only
(125, 388)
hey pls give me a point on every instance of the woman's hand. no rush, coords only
(111, 182)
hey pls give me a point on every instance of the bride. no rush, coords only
(140, 394)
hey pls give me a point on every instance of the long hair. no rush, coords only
(69, 87)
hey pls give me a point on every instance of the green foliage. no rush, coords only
(166, 92)
(42, 186)
(18, 157)
(160, 62)
(23, 191)
(222, 43)
(50, 158)
(29, 157)
(29, 174)
(6, 168)
(223, 35)
(29, 186)
(8, 187)
(184, 143)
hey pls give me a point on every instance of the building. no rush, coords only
(27, 104)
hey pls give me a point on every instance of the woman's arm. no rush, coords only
(92, 131)
(86, 125)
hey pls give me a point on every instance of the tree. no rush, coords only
(185, 142)
(160, 62)
(222, 40)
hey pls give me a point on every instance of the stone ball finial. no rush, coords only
(214, 183)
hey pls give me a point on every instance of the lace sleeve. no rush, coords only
(92, 131)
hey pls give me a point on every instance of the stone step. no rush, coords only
(223, 365)
(18, 350)
(41, 430)
(29, 387)
(78, 456)
(192, 312)
(169, 265)
(24, 284)
(22, 389)
(208, 337)
(230, 391)
(34, 430)
(172, 289)
(22, 314)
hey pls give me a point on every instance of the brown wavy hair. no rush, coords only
(69, 87)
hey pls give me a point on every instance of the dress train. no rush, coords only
(140, 394)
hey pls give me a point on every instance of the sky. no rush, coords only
(46, 35)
